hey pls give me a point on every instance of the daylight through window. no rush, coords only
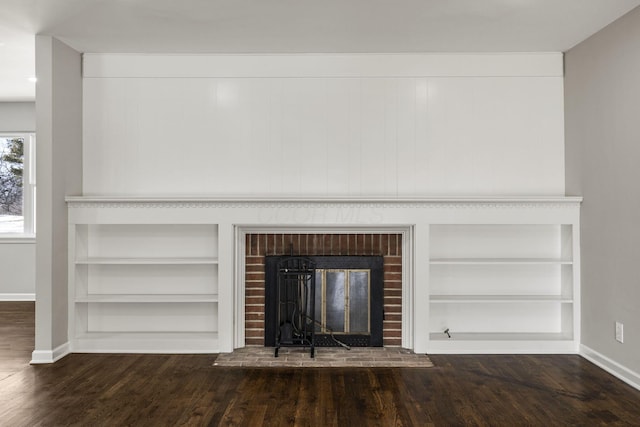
(17, 184)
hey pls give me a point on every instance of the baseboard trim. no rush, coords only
(39, 357)
(17, 297)
(614, 368)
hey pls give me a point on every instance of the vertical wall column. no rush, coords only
(226, 291)
(59, 173)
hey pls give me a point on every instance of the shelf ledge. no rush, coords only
(447, 299)
(145, 261)
(146, 298)
(499, 261)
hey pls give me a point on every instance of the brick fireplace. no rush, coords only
(389, 246)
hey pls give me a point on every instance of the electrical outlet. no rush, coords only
(619, 332)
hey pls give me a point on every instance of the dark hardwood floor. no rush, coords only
(171, 390)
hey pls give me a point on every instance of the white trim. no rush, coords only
(240, 235)
(74, 201)
(17, 239)
(28, 187)
(39, 357)
(17, 297)
(118, 65)
(614, 368)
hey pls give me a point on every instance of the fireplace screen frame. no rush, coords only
(374, 264)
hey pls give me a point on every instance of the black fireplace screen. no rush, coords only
(348, 300)
(342, 303)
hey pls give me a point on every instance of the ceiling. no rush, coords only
(292, 26)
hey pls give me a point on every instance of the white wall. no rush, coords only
(58, 165)
(603, 154)
(17, 264)
(17, 116)
(323, 125)
(17, 256)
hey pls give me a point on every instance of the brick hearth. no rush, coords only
(388, 246)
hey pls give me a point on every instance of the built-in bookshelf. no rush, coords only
(144, 287)
(479, 275)
(502, 287)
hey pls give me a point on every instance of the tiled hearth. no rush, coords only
(389, 246)
(326, 357)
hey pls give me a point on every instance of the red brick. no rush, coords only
(254, 260)
(392, 244)
(326, 244)
(351, 245)
(295, 241)
(360, 249)
(254, 300)
(254, 333)
(254, 292)
(254, 276)
(392, 268)
(393, 260)
(254, 342)
(392, 309)
(392, 276)
(249, 316)
(279, 245)
(375, 245)
(270, 245)
(254, 324)
(392, 317)
(343, 247)
(384, 244)
(253, 268)
(392, 334)
(390, 292)
(262, 244)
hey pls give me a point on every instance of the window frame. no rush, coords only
(28, 188)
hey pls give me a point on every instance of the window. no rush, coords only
(17, 185)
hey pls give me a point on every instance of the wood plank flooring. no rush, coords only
(172, 390)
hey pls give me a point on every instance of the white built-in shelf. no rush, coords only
(506, 287)
(147, 261)
(142, 286)
(500, 261)
(147, 342)
(446, 299)
(147, 298)
(181, 335)
(498, 336)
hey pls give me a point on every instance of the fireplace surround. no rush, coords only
(325, 246)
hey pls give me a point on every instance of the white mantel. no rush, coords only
(234, 217)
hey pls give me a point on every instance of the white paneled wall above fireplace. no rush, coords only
(323, 125)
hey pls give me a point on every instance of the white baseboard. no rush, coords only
(611, 366)
(17, 297)
(39, 357)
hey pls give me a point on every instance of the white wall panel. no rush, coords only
(322, 65)
(324, 136)
(18, 272)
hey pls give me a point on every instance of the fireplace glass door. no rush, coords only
(343, 301)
